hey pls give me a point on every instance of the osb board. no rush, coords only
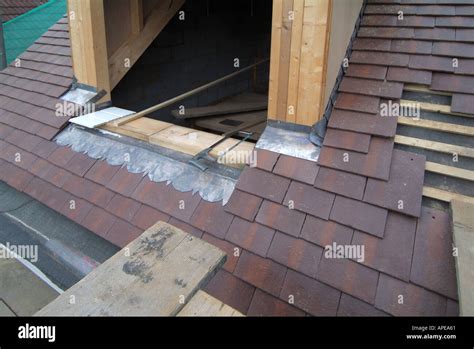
(154, 275)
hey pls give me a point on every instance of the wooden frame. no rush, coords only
(88, 44)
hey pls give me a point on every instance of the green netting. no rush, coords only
(21, 32)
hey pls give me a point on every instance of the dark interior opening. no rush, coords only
(197, 50)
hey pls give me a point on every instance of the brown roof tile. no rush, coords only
(324, 232)
(400, 298)
(340, 182)
(453, 49)
(231, 291)
(298, 169)
(76, 209)
(313, 201)
(373, 124)
(123, 207)
(404, 190)
(382, 32)
(260, 272)
(280, 217)
(433, 261)
(350, 306)
(371, 44)
(263, 184)
(359, 215)
(442, 34)
(99, 221)
(392, 254)
(379, 58)
(243, 205)
(266, 159)
(409, 76)
(452, 83)
(372, 87)
(365, 104)
(374, 164)
(146, 216)
(232, 251)
(264, 304)
(124, 182)
(462, 103)
(349, 140)
(101, 172)
(296, 254)
(349, 277)
(364, 70)
(80, 164)
(211, 218)
(411, 46)
(431, 63)
(310, 295)
(251, 236)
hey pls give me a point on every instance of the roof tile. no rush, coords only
(403, 299)
(310, 295)
(366, 104)
(298, 169)
(243, 205)
(433, 261)
(123, 207)
(349, 140)
(324, 233)
(231, 291)
(359, 215)
(379, 58)
(350, 306)
(372, 87)
(122, 233)
(211, 218)
(349, 277)
(266, 159)
(251, 236)
(365, 71)
(281, 218)
(263, 184)
(264, 304)
(340, 182)
(296, 254)
(313, 201)
(124, 182)
(260, 272)
(409, 76)
(392, 254)
(233, 252)
(146, 216)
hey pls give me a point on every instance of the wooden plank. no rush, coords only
(436, 146)
(295, 58)
(285, 47)
(463, 238)
(424, 89)
(88, 44)
(191, 142)
(184, 139)
(313, 55)
(136, 13)
(436, 108)
(446, 196)
(277, 28)
(154, 275)
(220, 109)
(141, 128)
(437, 126)
(450, 171)
(203, 304)
(127, 55)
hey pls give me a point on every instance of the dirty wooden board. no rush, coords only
(463, 236)
(155, 275)
(202, 304)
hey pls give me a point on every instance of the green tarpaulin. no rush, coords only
(22, 31)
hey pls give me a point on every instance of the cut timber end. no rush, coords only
(463, 237)
(154, 275)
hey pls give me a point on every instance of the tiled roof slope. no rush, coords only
(276, 263)
(10, 9)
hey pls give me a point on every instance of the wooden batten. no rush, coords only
(300, 33)
(88, 43)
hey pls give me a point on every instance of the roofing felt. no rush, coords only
(281, 258)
